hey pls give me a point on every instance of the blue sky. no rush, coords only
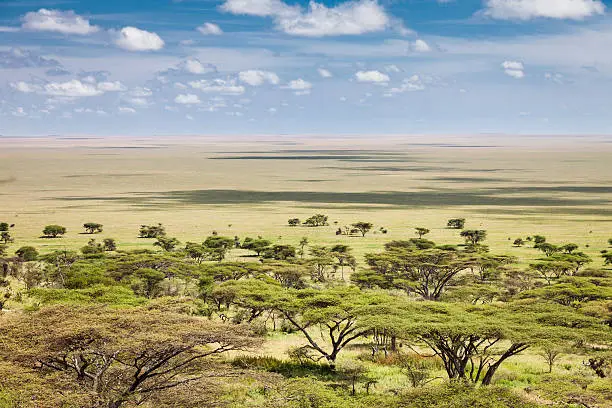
(128, 67)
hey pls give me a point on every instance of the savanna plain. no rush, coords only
(306, 272)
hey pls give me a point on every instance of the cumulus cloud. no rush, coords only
(318, 20)
(109, 86)
(125, 109)
(194, 66)
(324, 73)
(25, 87)
(74, 88)
(210, 29)
(300, 86)
(227, 87)
(257, 78)
(555, 9)
(65, 22)
(414, 83)
(134, 39)
(371, 76)
(515, 69)
(421, 46)
(187, 99)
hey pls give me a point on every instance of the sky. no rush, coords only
(285, 67)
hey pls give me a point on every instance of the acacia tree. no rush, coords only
(6, 237)
(53, 231)
(420, 231)
(119, 357)
(425, 272)
(340, 315)
(456, 223)
(92, 227)
(166, 243)
(317, 220)
(474, 237)
(257, 245)
(473, 341)
(362, 227)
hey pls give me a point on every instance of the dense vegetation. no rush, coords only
(414, 324)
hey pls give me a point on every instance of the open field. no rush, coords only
(558, 187)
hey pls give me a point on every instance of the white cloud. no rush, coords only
(372, 76)
(556, 9)
(134, 39)
(187, 99)
(257, 78)
(349, 18)
(25, 87)
(222, 86)
(66, 22)
(414, 83)
(324, 73)
(299, 85)
(125, 109)
(515, 69)
(421, 46)
(73, 88)
(210, 29)
(109, 86)
(194, 66)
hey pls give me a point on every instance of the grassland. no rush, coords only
(558, 187)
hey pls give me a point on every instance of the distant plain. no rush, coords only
(510, 186)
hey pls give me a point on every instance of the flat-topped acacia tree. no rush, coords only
(424, 272)
(119, 357)
(92, 227)
(54, 231)
(474, 341)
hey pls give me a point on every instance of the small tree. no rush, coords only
(550, 355)
(317, 220)
(4, 226)
(474, 237)
(53, 231)
(548, 249)
(27, 253)
(152, 231)
(168, 244)
(362, 227)
(303, 243)
(257, 245)
(569, 248)
(5, 237)
(293, 222)
(538, 239)
(92, 227)
(456, 223)
(518, 242)
(420, 231)
(110, 244)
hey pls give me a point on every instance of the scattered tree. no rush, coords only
(317, 220)
(166, 243)
(420, 231)
(293, 222)
(110, 244)
(362, 227)
(53, 231)
(92, 227)
(456, 223)
(152, 231)
(474, 237)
